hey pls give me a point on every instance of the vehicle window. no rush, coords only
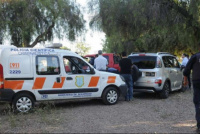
(175, 62)
(67, 65)
(74, 65)
(170, 62)
(47, 65)
(167, 62)
(116, 59)
(144, 62)
(107, 57)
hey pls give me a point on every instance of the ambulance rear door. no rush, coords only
(18, 70)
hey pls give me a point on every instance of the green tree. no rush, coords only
(148, 25)
(82, 48)
(65, 48)
(29, 22)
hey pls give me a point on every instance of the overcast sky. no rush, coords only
(92, 38)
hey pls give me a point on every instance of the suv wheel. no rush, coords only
(23, 103)
(110, 96)
(165, 91)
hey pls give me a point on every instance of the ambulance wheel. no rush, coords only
(110, 96)
(23, 103)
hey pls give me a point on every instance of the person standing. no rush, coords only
(100, 63)
(188, 78)
(136, 74)
(125, 66)
(194, 65)
(185, 58)
(91, 61)
(96, 55)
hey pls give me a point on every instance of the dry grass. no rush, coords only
(146, 114)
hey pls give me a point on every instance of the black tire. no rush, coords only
(23, 103)
(164, 94)
(110, 96)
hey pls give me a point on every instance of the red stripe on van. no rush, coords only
(39, 82)
(59, 85)
(111, 79)
(94, 81)
(14, 85)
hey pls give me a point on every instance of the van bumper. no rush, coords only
(6, 95)
(123, 89)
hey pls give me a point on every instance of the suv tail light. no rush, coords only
(1, 77)
(158, 81)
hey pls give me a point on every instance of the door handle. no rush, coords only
(69, 78)
(58, 80)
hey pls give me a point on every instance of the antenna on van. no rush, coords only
(55, 45)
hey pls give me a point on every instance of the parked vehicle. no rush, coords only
(161, 73)
(113, 59)
(41, 74)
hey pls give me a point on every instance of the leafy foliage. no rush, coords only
(148, 25)
(65, 48)
(82, 48)
(33, 21)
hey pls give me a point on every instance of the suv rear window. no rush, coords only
(144, 62)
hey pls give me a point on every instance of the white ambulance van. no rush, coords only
(28, 75)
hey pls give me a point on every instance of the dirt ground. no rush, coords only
(146, 114)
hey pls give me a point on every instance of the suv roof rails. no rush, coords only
(137, 52)
(162, 53)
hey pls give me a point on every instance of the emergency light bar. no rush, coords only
(55, 45)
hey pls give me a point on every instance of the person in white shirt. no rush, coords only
(185, 60)
(183, 65)
(100, 62)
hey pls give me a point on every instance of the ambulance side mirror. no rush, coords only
(92, 71)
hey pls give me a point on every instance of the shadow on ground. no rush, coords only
(154, 96)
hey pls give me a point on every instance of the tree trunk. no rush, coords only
(43, 36)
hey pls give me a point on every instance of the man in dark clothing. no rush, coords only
(194, 65)
(92, 59)
(136, 74)
(125, 65)
(188, 78)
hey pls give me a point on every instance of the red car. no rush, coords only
(113, 60)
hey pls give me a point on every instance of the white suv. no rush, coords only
(161, 73)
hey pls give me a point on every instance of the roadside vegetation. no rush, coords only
(130, 25)
(28, 22)
(148, 25)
